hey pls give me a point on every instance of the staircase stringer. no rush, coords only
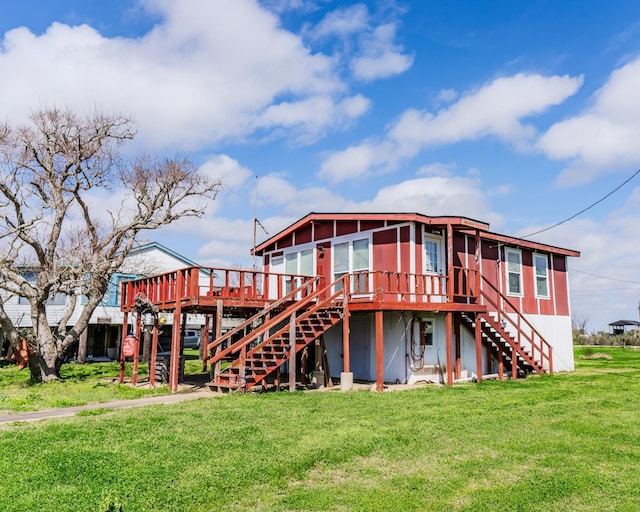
(309, 306)
(516, 330)
(263, 315)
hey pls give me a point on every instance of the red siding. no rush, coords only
(303, 235)
(322, 230)
(366, 225)
(419, 249)
(405, 249)
(346, 227)
(385, 253)
(529, 303)
(323, 263)
(489, 267)
(458, 250)
(287, 241)
(560, 284)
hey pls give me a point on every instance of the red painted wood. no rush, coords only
(529, 302)
(449, 343)
(379, 351)
(366, 225)
(322, 230)
(346, 227)
(286, 241)
(385, 251)
(560, 285)
(303, 235)
(419, 250)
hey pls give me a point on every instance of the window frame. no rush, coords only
(351, 240)
(536, 256)
(508, 272)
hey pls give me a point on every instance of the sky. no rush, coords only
(517, 113)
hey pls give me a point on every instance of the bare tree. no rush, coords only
(55, 238)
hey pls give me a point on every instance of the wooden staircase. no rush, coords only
(505, 346)
(512, 338)
(265, 342)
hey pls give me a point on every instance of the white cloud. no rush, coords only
(342, 22)
(436, 195)
(368, 44)
(310, 117)
(200, 75)
(380, 57)
(225, 168)
(497, 109)
(603, 138)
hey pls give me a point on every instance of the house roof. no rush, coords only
(160, 247)
(623, 323)
(459, 222)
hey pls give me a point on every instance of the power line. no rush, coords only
(604, 277)
(585, 209)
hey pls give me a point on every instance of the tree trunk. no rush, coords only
(82, 347)
(47, 359)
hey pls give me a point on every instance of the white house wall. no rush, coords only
(398, 362)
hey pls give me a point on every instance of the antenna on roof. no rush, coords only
(256, 223)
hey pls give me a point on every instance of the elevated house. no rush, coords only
(390, 298)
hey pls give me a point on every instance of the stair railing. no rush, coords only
(304, 289)
(302, 304)
(241, 344)
(541, 350)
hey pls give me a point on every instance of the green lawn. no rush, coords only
(564, 442)
(81, 384)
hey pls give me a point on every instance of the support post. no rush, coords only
(379, 351)
(136, 354)
(154, 352)
(175, 338)
(479, 348)
(346, 355)
(449, 343)
(292, 356)
(125, 328)
(500, 365)
(218, 333)
(450, 277)
(456, 333)
(514, 364)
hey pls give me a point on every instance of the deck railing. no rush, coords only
(408, 287)
(242, 287)
(252, 287)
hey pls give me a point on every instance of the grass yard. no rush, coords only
(82, 384)
(564, 442)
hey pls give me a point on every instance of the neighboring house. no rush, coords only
(396, 298)
(623, 326)
(105, 328)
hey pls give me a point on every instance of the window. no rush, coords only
(59, 299)
(297, 263)
(514, 272)
(541, 264)
(352, 257)
(432, 248)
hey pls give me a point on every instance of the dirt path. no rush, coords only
(118, 404)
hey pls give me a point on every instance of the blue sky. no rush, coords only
(516, 113)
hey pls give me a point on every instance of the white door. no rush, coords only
(276, 267)
(434, 266)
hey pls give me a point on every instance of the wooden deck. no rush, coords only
(203, 289)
